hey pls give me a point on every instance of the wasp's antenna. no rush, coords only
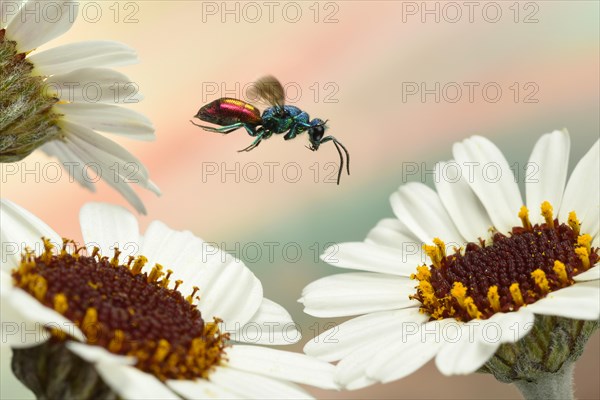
(347, 155)
(341, 161)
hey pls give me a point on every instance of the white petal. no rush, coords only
(72, 56)
(17, 331)
(583, 189)
(97, 162)
(21, 229)
(466, 354)
(591, 224)
(391, 232)
(461, 203)
(409, 352)
(546, 172)
(253, 386)
(357, 293)
(200, 389)
(97, 354)
(108, 118)
(490, 177)
(339, 341)
(271, 325)
(350, 372)
(70, 161)
(39, 22)
(590, 275)
(108, 227)
(93, 85)
(228, 289)
(420, 208)
(479, 340)
(505, 327)
(34, 311)
(133, 384)
(375, 258)
(130, 168)
(283, 365)
(580, 301)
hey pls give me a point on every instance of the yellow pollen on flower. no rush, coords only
(116, 343)
(561, 271)
(162, 350)
(178, 283)
(139, 263)
(39, 287)
(433, 253)
(165, 281)
(585, 241)
(115, 260)
(541, 281)
(441, 247)
(459, 292)
(60, 303)
(59, 334)
(574, 222)
(95, 252)
(423, 273)
(90, 319)
(156, 273)
(515, 292)
(190, 298)
(471, 308)
(46, 257)
(494, 298)
(427, 292)
(63, 249)
(584, 256)
(547, 214)
(524, 215)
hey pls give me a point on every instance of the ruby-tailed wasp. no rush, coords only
(232, 114)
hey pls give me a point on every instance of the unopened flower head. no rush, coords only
(45, 103)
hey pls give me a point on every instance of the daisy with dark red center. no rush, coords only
(500, 287)
(158, 316)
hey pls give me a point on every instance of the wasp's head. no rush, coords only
(316, 133)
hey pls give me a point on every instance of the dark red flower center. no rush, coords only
(506, 273)
(125, 310)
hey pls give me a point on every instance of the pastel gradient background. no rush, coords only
(362, 59)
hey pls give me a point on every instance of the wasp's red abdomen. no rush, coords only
(228, 111)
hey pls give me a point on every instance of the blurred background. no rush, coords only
(399, 82)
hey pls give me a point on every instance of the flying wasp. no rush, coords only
(232, 114)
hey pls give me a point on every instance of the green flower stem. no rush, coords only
(556, 386)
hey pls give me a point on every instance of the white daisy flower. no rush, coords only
(106, 326)
(533, 281)
(58, 98)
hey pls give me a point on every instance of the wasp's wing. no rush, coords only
(269, 90)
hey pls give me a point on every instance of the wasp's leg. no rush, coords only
(252, 131)
(224, 129)
(254, 144)
(292, 133)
